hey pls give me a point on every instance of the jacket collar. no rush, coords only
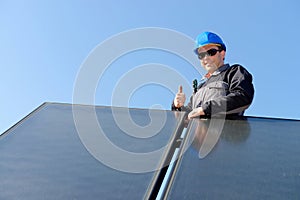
(220, 69)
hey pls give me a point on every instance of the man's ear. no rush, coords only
(223, 53)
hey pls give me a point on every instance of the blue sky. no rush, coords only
(43, 45)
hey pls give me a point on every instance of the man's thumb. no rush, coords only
(180, 89)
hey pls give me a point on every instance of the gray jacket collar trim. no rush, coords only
(220, 69)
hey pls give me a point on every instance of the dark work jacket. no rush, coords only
(229, 90)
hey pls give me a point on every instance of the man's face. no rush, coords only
(212, 63)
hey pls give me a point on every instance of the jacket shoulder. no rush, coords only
(239, 69)
(237, 66)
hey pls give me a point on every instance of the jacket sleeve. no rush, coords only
(239, 96)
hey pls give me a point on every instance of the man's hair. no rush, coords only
(222, 48)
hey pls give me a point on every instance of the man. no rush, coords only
(227, 89)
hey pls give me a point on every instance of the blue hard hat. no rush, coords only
(206, 38)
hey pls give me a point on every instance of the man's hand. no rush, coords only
(196, 112)
(179, 98)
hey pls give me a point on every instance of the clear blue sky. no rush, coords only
(44, 43)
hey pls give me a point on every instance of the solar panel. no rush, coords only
(43, 156)
(65, 151)
(256, 158)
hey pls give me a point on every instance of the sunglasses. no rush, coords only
(210, 52)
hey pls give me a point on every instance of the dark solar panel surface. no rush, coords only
(253, 159)
(42, 157)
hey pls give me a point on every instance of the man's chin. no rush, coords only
(210, 68)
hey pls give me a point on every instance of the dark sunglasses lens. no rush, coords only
(202, 55)
(212, 52)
